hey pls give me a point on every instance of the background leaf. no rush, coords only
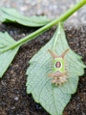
(6, 57)
(52, 98)
(11, 15)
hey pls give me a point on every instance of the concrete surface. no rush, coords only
(50, 8)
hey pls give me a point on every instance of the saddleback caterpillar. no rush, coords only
(59, 75)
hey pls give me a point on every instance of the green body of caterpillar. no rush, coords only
(58, 65)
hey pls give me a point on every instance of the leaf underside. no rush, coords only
(6, 57)
(53, 98)
(11, 15)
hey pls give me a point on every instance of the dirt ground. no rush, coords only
(13, 97)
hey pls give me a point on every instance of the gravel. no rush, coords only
(50, 8)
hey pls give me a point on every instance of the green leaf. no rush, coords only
(53, 98)
(6, 57)
(11, 15)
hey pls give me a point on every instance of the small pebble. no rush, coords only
(16, 98)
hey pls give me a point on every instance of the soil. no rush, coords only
(13, 97)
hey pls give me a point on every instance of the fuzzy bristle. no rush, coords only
(59, 80)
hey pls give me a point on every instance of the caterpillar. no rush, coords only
(59, 75)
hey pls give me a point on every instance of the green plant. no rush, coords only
(38, 81)
(53, 97)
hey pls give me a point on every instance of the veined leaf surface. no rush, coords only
(6, 57)
(53, 98)
(12, 15)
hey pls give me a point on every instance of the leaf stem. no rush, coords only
(62, 18)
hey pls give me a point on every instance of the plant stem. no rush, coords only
(46, 27)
